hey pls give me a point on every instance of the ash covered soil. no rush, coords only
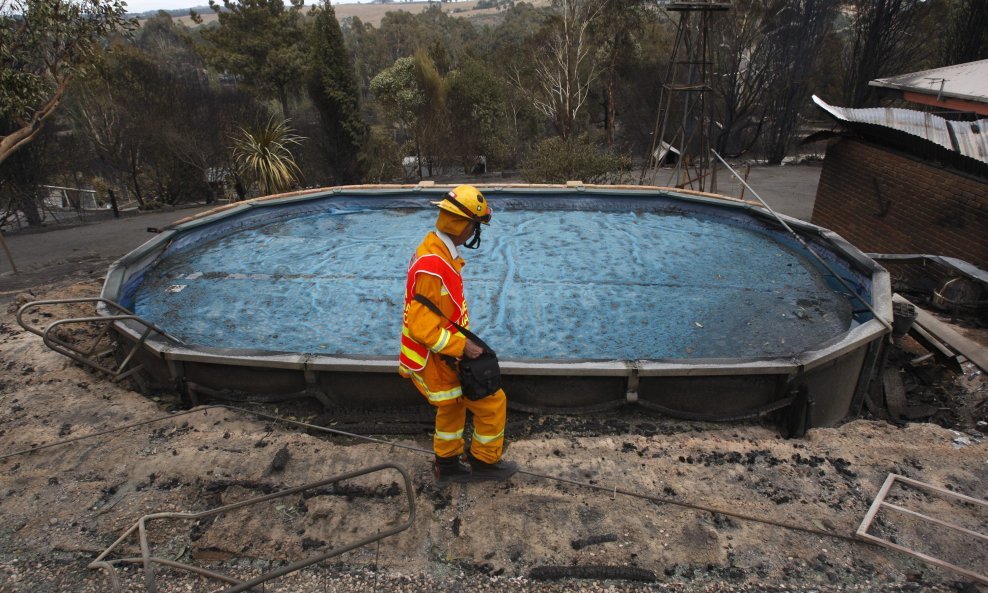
(725, 507)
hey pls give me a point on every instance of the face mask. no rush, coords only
(474, 241)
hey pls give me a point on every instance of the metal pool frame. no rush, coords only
(834, 376)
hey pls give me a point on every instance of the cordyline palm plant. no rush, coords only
(264, 156)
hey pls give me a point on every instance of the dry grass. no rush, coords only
(373, 13)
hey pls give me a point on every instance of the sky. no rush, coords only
(146, 5)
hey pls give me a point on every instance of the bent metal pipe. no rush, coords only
(149, 561)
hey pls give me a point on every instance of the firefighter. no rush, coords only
(434, 272)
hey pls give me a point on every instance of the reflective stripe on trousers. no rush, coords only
(449, 436)
(435, 397)
(486, 439)
(489, 416)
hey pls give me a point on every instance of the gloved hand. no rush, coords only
(472, 350)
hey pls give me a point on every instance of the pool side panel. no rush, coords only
(713, 397)
(831, 387)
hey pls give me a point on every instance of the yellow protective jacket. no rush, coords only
(435, 274)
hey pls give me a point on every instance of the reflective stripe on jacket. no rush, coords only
(424, 332)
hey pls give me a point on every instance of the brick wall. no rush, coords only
(883, 202)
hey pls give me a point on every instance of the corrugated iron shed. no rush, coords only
(963, 87)
(967, 138)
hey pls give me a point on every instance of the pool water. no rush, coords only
(545, 284)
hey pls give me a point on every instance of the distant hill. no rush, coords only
(368, 13)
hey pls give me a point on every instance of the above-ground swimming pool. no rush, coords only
(592, 296)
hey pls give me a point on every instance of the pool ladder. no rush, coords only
(101, 346)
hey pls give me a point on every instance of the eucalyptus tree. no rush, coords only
(412, 95)
(432, 117)
(190, 141)
(640, 74)
(171, 42)
(620, 31)
(398, 94)
(885, 38)
(966, 39)
(404, 33)
(152, 117)
(508, 48)
(262, 43)
(367, 50)
(108, 108)
(744, 69)
(798, 30)
(332, 86)
(566, 64)
(44, 44)
(477, 111)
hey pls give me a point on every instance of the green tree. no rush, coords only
(333, 89)
(507, 48)
(264, 156)
(558, 160)
(477, 113)
(367, 49)
(621, 29)
(433, 129)
(170, 42)
(398, 93)
(43, 45)
(262, 42)
(413, 95)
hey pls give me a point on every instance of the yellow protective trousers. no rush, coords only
(489, 417)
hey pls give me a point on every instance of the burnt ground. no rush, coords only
(621, 495)
(617, 501)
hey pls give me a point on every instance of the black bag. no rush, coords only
(479, 377)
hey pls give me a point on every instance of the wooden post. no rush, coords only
(7, 251)
(113, 203)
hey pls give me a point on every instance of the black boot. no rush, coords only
(498, 471)
(449, 470)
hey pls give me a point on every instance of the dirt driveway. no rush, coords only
(77, 251)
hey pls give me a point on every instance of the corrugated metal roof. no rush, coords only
(970, 138)
(970, 142)
(962, 81)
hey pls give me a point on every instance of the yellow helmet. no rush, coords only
(467, 201)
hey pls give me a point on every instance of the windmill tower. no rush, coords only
(682, 124)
